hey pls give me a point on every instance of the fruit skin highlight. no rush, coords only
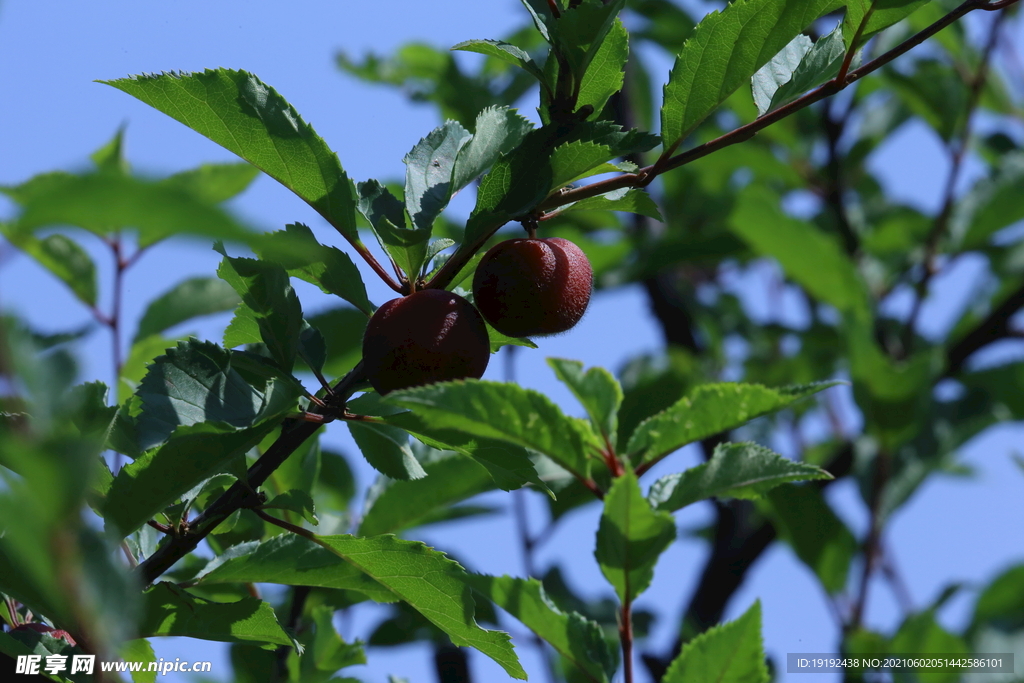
(529, 287)
(429, 336)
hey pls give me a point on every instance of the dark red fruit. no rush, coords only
(529, 287)
(429, 336)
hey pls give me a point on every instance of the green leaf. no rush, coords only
(611, 135)
(574, 159)
(710, 409)
(243, 328)
(736, 470)
(241, 113)
(810, 257)
(818, 537)
(991, 205)
(297, 501)
(394, 506)
(428, 172)
(110, 157)
(935, 92)
(329, 651)
(266, 291)
(921, 634)
(1001, 603)
(215, 183)
(290, 560)
(724, 51)
(407, 247)
(730, 653)
(576, 638)
(102, 203)
(606, 72)
(329, 268)
(139, 650)
(892, 395)
(509, 466)
(631, 537)
(498, 131)
(186, 300)
(431, 584)
(342, 329)
(820, 64)
(385, 447)
(173, 611)
(160, 476)
(518, 182)
(581, 31)
(625, 199)
(875, 16)
(777, 72)
(505, 412)
(506, 52)
(312, 347)
(196, 382)
(597, 390)
(60, 255)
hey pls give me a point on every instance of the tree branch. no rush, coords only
(645, 175)
(293, 434)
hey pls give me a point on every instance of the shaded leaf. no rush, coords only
(818, 537)
(173, 611)
(197, 382)
(626, 199)
(160, 476)
(188, 299)
(393, 506)
(506, 52)
(329, 268)
(385, 447)
(62, 256)
(808, 256)
(267, 293)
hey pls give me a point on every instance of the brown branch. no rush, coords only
(293, 434)
(995, 326)
(645, 175)
(957, 152)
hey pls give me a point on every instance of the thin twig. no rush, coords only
(957, 153)
(293, 434)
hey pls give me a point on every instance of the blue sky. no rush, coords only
(55, 115)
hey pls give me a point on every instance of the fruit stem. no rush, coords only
(530, 226)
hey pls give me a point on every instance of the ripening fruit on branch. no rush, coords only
(528, 287)
(429, 336)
